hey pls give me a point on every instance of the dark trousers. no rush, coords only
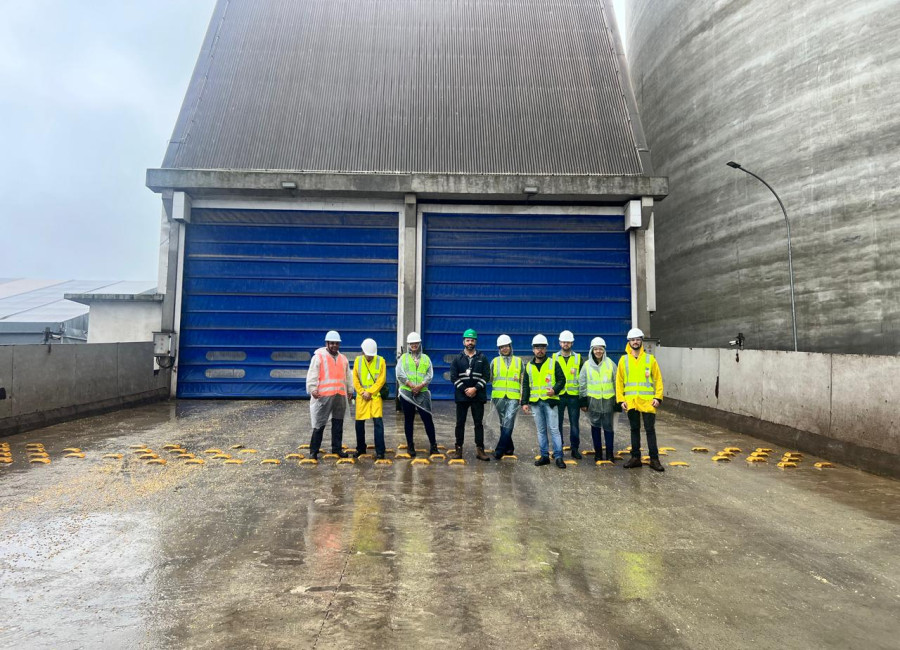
(570, 403)
(409, 417)
(337, 437)
(634, 419)
(462, 409)
(505, 445)
(361, 436)
(598, 443)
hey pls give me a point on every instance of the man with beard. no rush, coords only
(542, 382)
(639, 389)
(569, 399)
(329, 385)
(470, 374)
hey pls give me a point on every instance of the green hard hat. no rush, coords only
(470, 334)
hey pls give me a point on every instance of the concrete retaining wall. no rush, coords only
(45, 384)
(837, 406)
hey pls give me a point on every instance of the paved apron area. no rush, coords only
(117, 554)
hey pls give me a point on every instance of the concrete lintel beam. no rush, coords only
(506, 187)
(90, 298)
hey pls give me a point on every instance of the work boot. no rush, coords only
(340, 453)
(458, 450)
(634, 461)
(433, 450)
(655, 464)
(576, 454)
(411, 451)
(379, 457)
(560, 463)
(543, 460)
(480, 455)
(360, 453)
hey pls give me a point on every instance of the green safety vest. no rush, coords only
(506, 380)
(415, 372)
(571, 366)
(541, 380)
(638, 381)
(601, 381)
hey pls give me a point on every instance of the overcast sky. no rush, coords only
(89, 93)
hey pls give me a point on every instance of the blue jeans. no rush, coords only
(544, 417)
(507, 409)
(570, 403)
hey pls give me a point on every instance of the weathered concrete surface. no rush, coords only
(839, 405)
(6, 372)
(864, 392)
(114, 553)
(46, 384)
(803, 94)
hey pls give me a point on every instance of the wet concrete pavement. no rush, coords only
(114, 553)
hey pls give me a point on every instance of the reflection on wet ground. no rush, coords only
(109, 552)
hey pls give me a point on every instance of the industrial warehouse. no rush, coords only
(613, 403)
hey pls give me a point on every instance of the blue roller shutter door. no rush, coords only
(261, 288)
(522, 275)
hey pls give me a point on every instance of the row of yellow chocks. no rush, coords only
(37, 454)
(790, 459)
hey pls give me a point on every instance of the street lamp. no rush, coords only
(790, 256)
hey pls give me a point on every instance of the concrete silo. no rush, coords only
(804, 94)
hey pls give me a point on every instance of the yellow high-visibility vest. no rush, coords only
(541, 380)
(415, 372)
(601, 381)
(506, 380)
(571, 365)
(638, 380)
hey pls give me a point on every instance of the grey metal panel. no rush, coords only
(444, 86)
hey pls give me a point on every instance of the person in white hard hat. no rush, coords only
(639, 389)
(541, 383)
(506, 391)
(598, 397)
(329, 387)
(414, 374)
(369, 377)
(569, 400)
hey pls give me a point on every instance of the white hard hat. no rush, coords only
(566, 337)
(413, 337)
(597, 342)
(540, 339)
(369, 347)
(502, 340)
(333, 336)
(634, 333)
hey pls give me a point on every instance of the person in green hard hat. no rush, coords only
(470, 373)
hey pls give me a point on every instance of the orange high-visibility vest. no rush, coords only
(331, 375)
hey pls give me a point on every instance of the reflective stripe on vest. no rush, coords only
(332, 380)
(638, 380)
(506, 380)
(364, 372)
(541, 380)
(415, 372)
(601, 384)
(571, 365)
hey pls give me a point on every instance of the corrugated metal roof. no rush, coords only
(26, 300)
(444, 86)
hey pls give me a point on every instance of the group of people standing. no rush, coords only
(547, 387)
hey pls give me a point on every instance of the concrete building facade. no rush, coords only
(804, 95)
(379, 168)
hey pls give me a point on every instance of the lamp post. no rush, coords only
(790, 255)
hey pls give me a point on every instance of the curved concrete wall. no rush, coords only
(805, 95)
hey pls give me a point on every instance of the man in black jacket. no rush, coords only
(470, 373)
